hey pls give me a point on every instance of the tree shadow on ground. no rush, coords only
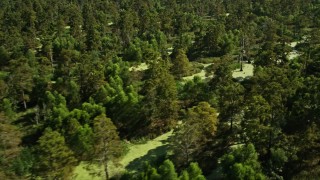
(153, 157)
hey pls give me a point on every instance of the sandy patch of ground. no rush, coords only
(293, 44)
(247, 71)
(140, 67)
(293, 54)
(201, 74)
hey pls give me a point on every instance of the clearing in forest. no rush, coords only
(132, 161)
(247, 71)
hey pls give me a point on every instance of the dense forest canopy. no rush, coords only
(81, 79)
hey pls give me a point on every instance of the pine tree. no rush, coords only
(181, 66)
(195, 172)
(106, 141)
(55, 158)
(160, 105)
(168, 171)
(184, 175)
(10, 139)
(149, 173)
(242, 163)
(199, 127)
(21, 80)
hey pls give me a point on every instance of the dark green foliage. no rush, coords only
(7, 108)
(160, 105)
(4, 56)
(196, 130)
(55, 158)
(222, 74)
(68, 65)
(180, 64)
(242, 163)
(194, 172)
(106, 141)
(133, 53)
(184, 175)
(306, 105)
(82, 141)
(150, 173)
(120, 99)
(194, 92)
(21, 80)
(167, 171)
(24, 163)
(230, 101)
(10, 139)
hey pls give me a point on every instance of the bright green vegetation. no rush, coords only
(137, 155)
(242, 163)
(149, 151)
(159, 89)
(88, 171)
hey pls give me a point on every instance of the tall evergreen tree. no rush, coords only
(10, 140)
(242, 163)
(21, 80)
(54, 156)
(160, 105)
(167, 171)
(181, 66)
(197, 129)
(106, 142)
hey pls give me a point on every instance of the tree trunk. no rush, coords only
(106, 170)
(187, 157)
(105, 159)
(51, 56)
(37, 115)
(231, 123)
(24, 100)
(269, 144)
(307, 60)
